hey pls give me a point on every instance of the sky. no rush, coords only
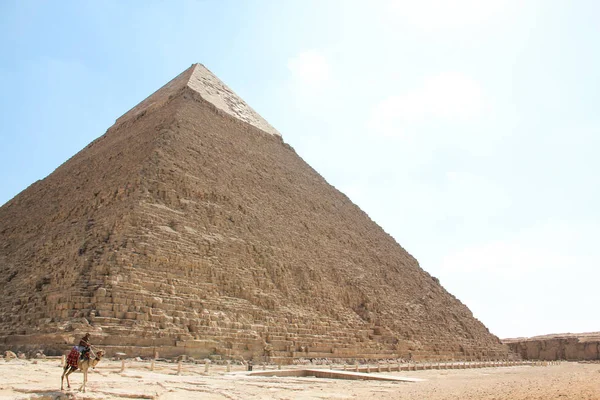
(468, 130)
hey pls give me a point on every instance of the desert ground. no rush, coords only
(40, 379)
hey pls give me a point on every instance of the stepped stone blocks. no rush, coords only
(190, 227)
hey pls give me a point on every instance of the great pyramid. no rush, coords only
(191, 227)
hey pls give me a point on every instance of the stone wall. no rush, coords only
(560, 347)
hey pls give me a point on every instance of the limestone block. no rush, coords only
(201, 344)
(106, 314)
(142, 317)
(101, 300)
(104, 306)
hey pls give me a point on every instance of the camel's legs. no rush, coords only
(62, 377)
(84, 380)
(67, 371)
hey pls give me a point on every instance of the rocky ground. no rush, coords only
(40, 379)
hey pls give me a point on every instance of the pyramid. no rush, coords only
(190, 227)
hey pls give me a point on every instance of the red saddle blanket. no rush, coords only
(73, 357)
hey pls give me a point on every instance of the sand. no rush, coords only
(40, 379)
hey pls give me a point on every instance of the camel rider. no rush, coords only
(84, 347)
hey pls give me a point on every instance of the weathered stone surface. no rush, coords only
(570, 346)
(188, 229)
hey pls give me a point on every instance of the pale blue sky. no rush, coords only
(467, 129)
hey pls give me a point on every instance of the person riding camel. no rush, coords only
(81, 351)
(84, 347)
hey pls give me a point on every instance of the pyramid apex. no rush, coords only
(211, 89)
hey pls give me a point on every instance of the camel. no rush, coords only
(83, 365)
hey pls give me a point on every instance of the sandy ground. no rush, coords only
(25, 379)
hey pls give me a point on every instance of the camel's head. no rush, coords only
(95, 361)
